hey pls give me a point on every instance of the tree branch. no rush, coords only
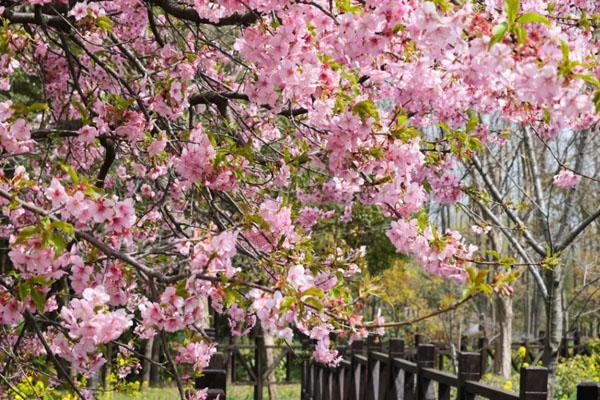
(219, 98)
(61, 371)
(53, 21)
(511, 214)
(190, 14)
(517, 246)
(109, 158)
(537, 186)
(413, 321)
(577, 230)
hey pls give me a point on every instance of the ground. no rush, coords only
(235, 392)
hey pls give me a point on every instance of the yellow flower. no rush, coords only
(522, 351)
(508, 385)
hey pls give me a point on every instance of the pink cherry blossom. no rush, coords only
(566, 179)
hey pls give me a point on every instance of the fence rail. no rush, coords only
(370, 374)
(372, 371)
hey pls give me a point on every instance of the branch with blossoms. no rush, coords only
(161, 159)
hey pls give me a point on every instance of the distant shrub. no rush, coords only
(571, 372)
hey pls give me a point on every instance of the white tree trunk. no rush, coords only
(504, 316)
(269, 340)
(554, 318)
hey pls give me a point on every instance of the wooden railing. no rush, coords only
(375, 375)
(367, 372)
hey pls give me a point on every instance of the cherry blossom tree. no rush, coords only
(160, 155)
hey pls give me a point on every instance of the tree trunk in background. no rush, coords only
(146, 365)
(95, 380)
(269, 358)
(233, 341)
(154, 369)
(107, 367)
(504, 315)
(554, 318)
(535, 312)
(527, 308)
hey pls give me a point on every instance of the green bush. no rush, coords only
(572, 371)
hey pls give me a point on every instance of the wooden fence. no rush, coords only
(245, 368)
(370, 374)
(376, 372)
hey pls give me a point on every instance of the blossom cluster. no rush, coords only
(164, 160)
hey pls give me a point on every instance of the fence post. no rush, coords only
(464, 342)
(533, 383)
(576, 343)
(483, 345)
(425, 359)
(337, 383)
(358, 347)
(564, 347)
(214, 378)
(358, 384)
(373, 343)
(396, 377)
(258, 367)
(306, 379)
(231, 361)
(417, 338)
(289, 357)
(374, 378)
(588, 391)
(443, 389)
(396, 348)
(327, 383)
(318, 381)
(468, 370)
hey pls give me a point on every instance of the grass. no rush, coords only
(234, 392)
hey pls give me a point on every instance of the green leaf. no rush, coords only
(547, 116)
(313, 291)
(23, 290)
(564, 46)
(521, 34)
(27, 232)
(315, 303)
(531, 17)
(498, 34)
(512, 7)
(58, 242)
(472, 274)
(64, 226)
(589, 79)
(37, 107)
(69, 170)
(365, 109)
(398, 28)
(180, 290)
(596, 100)
(230, 297)
(473, 121)
(104, 23)
(474, 144)
(38, 298)
(345, 6)
(85, 115)
(507, 261)
(493, 253)
(258, 220)
(286, 303)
